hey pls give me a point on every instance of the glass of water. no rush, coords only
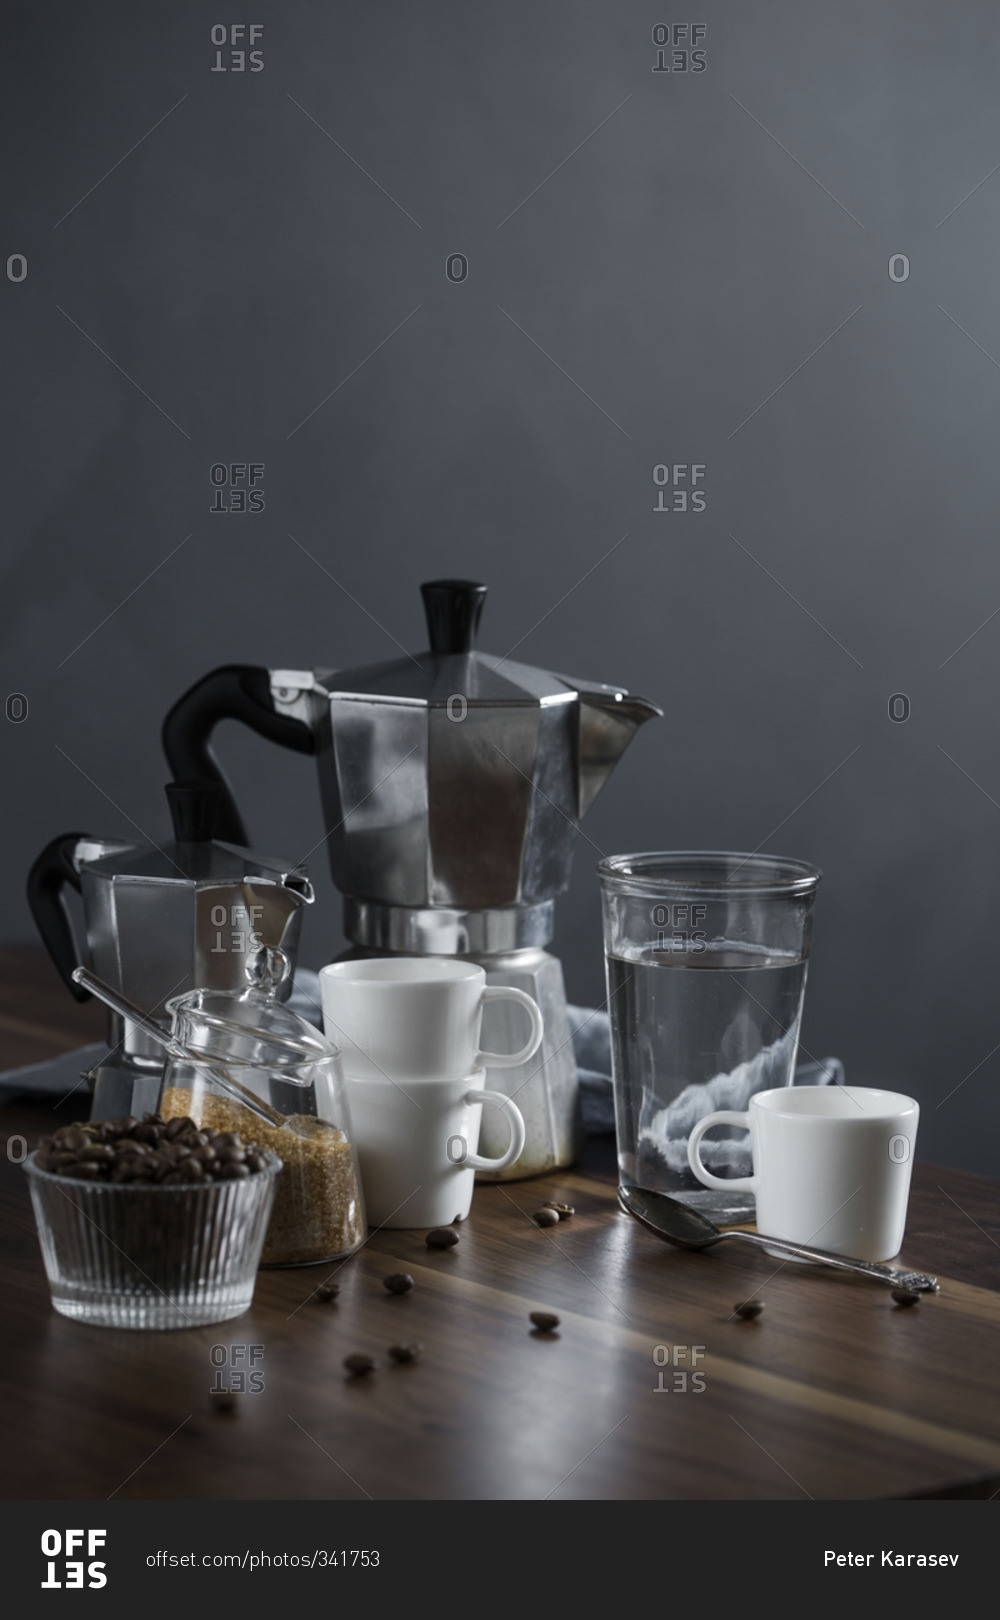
(706, 956)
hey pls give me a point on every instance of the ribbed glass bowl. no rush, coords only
(123, 1255)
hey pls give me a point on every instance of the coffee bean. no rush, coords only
(225, 1139)
(442, 1237)
(906, 1296)
(149, 1134)
(358, 1365)
(96, 1151)
(564, 1211)
(327, 1292)
(546, 1217)
(175, 1127)
(83, 1171)
(544, 1321)
(748, 1310)
(398, 1282)
(153, 1119)
(233, 1172)
(404, 1352)
(233, 1155)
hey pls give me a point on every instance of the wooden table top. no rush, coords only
(651, 1388)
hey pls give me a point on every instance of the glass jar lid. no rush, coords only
(252, 1025)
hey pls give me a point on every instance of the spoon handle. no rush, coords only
(223, 1076)
(917, 1282)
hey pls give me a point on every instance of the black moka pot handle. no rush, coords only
(52, 873)
(233, 692)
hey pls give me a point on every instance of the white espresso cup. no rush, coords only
(831, 1165)
(416, 1145)
(417, 1017)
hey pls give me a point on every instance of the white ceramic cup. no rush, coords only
(417, 1144)
(417, 1017)
(831, 1165)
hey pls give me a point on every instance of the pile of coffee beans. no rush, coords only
(147, 1150)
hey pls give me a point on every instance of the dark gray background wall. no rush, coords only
(699, 264)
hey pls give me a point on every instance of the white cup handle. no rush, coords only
(515, 1120)
(725, 1183)
(510, 1060)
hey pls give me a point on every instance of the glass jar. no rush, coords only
(257, 1069)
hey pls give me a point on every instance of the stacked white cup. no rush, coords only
(408, 1029)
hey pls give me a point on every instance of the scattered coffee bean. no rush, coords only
(546, 1217)
(359, 1365)
(326, 1292)
(905, 1296)
(398, 1282)
(748, 1310)
(544, 1321)
(225, 1400)
(442, 1237)
(564, 1211)
(404, 1352)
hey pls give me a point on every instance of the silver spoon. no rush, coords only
(687, 1228)
(121, 1004)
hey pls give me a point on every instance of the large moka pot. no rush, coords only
(453, 783)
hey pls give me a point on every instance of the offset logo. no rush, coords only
(237, 59)
(64, 1568)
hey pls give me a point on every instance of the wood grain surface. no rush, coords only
(833, 1392)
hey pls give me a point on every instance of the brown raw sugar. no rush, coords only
(317, 1210)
